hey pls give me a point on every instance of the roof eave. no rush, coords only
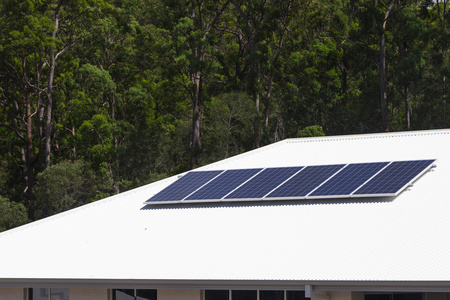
(316, 285)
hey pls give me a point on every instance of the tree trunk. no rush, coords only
(267, 108)
(48, 124)
(407, 110)
(74, 149)
(255, 73)
(256, 121)
(195, 143)
(383, 85)
(51, 79)
(196, 79)
(444, 96)
(282, 30)
(196, 72)
(29, 149)
(382, 71)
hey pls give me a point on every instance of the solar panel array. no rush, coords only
(374, 179)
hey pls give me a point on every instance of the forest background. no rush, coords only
(101, 96)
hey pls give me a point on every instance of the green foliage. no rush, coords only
(11, 214)
(64, 186)
(97, 81)
(132, 76)
(228, 127)
(311, 131)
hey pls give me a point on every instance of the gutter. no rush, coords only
(302, 285)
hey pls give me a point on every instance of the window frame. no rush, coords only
(230, 293)
(392, 295)
(113, 295)
(30, 295)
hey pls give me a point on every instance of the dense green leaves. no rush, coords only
(63, 186)
(11, 214)
(118, 93)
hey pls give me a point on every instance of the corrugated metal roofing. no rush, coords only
(405, 238)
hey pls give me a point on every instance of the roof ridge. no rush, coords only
(365, 136)
(240, 156)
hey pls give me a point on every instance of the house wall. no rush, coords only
(360, 296)
(341, 296)
(88, 294)
(179, 294)
(12, 293)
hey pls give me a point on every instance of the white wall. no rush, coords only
(179, 295)
(12, 293)
(341, 296)
(88, 294)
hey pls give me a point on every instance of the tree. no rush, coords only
(432, 105)
(11, 214)
(311, 131)
(24, 40)
(190, 36)
(382, 63)
(193, 53)
(64, 186)
(408, 58)
(227, 126)
(34, 36)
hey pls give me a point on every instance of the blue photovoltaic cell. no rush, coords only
(305, 181)
(223, 184)
(349, 179)
(360, 180)
(263, 183)
(184, 186)
(394, 177)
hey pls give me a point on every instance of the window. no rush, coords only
(394, 296)
(132, 294)
(295, 295)
(217, 295)
(244, 295)
(48, 294)
(123, 294)
(263, 295)
(271, 295)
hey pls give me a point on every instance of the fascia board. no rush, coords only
(362, 286)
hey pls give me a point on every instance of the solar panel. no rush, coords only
(223, 184)
(375, 179)
(348, 180)
(304, 181)
(394, 178)
(184, 186)
(263, 183)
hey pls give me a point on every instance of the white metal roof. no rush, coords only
(364, 240)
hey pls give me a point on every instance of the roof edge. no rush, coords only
(331, 138)
(317, 285)
(368, 135)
